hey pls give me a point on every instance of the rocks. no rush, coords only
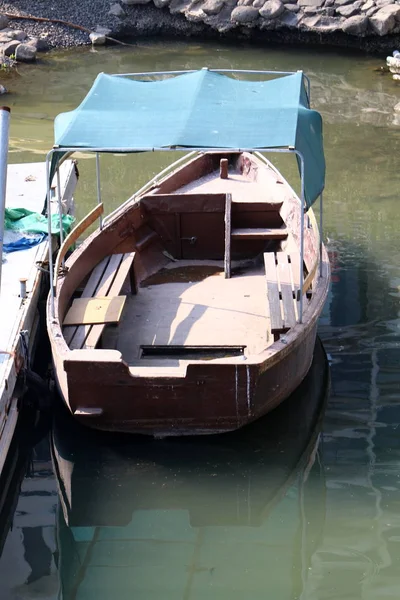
(314, 3)
(368, 5)
(356, 25)
(116, 10)
(294, 8)
(369, 19)
(244, 14)
(212, 7)
(384, 20)
(271, 9)
(25, 53)
(9, 48)
(349, 9)
(322, 24)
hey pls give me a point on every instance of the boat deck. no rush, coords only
(26, 188)
(242, 188)
(191, 303)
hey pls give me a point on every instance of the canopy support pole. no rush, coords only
(320, 234)
(49, 231)
(303, 202)
(98, 187)
(60, 208)
(4, 134)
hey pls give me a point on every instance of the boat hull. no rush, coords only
(212, 398)
(118, 390)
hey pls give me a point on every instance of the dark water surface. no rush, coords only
(303, 505)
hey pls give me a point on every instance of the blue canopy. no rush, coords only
(200, 109)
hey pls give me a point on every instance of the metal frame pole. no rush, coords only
(320, 234)
(49, 230)
(4, 132)
(98, 187)
(60, 208)
(303, 202)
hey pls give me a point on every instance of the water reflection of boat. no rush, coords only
(171, 518)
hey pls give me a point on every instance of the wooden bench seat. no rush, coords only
(106, 280)
(282, 271)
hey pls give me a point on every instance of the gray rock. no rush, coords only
(213, 7)
(128, 2)
(25, 53)
(5, 37)
(287, 1)
(271, 9)
(9, 47)
(15, 34)
(342, 2)
(310, 10)
(290, 19)
(3, 21)
(329, 3)
(315, 3)
(195, 14)
(4, 90)
(384, 20)
(97, 39)
(244, 14)
(371, 11)
(381, 3)
(246, 3)
(116, 10)
(293, 8)
(102, 30)
(258, 3)
(161, 3)
(356, 25)
(367, 5)
(39, 43)
(349, 9)
(322, 24)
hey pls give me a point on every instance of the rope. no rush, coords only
(61, 22)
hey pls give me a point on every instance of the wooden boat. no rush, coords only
(193, 308)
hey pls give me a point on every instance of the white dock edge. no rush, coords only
(26, 188)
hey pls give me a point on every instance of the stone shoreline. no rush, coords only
(372, 25)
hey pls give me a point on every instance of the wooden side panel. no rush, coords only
(203, 235)
(286, 289)
(273, 292)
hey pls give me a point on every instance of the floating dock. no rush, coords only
(19, 320)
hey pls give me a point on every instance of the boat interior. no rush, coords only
(206, 262)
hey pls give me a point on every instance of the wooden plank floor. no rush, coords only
(212, 312)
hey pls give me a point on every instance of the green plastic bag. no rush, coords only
(27, 221)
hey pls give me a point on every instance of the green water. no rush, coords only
(251, 516)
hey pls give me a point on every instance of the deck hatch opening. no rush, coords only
(191, 352)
